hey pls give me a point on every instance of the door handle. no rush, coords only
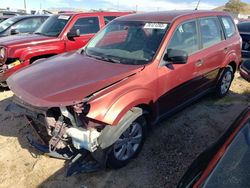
(225, 49)
(199, 63)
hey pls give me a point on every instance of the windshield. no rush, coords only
(53, 26)
(127, 42)
(7, 23)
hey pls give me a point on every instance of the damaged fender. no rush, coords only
(110, 134)
(115, 112)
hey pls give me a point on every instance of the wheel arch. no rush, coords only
(233, 65)
(33, 59)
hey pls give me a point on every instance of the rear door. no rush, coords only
(88, 27)
(213, 53)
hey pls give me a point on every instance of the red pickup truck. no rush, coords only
(58, 34)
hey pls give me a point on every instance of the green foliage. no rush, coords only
(235, 6)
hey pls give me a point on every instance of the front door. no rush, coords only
(177, 82)
(88, 27)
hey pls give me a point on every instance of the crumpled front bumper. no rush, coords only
(80, 160)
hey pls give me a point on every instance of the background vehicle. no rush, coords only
(60, 33)
(244, 29)
(5, 14)
(21, 24)
(245, 70)
(104, 96)
(225, 163)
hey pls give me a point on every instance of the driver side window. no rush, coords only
(185, 38)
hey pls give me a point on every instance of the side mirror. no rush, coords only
(73, 33)
(176, 56)
(245, 70)
(14, 32)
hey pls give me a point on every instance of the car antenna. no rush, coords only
(197, 6)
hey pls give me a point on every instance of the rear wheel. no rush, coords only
(128, 145)
(225, 81)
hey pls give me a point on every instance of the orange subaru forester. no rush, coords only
(99, 101)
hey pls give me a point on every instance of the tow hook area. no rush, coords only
(65, 154)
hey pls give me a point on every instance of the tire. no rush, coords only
(224, 83)
(118, 155)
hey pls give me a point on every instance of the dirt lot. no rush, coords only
(167, 153)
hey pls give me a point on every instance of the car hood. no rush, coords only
(66, 79)
(23, 39)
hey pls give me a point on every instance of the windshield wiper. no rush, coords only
(105, 58)
(38, 33)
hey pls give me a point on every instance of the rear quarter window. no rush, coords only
(229, 26)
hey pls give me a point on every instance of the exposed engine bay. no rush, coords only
(66, 132)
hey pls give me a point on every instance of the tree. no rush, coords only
(235, 6)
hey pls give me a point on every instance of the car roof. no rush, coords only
(18, 18)
(31, 16)
(93, 13)
(168, 16)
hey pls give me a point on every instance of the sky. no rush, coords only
(141, 5)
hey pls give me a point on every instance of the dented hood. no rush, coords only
(66, 79)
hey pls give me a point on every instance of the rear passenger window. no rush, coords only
(229, 26)
(87, 25)
(185, 38)
(108, 19)
(210, 31)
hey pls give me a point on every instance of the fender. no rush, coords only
(121, 106)
(40, 50)
(231, 57)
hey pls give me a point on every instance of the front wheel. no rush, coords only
(224, 83)
(128, 145)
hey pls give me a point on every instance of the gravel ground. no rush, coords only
(168, 151)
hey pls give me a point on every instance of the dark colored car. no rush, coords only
(60, 33)
(226, 163)
(245, 70)
(138, 70)
(244, 29)
(21, 24)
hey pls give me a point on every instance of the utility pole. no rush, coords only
(118, 5)
(24, 1)
(197, 6)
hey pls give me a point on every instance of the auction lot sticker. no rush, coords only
(155, 26)
(63, 17)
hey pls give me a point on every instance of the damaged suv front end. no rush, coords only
(86, 104)
(67, 133)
